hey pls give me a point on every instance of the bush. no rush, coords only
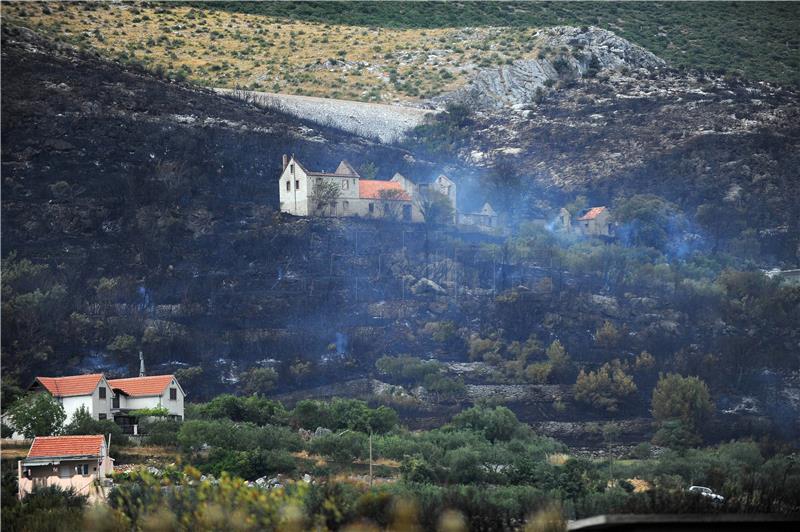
(497, 424)
(606, 388)
(162, 432)
(249, 465)
(343, 448)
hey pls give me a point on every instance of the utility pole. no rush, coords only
(370, 459)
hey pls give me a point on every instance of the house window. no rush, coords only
(115, 401)
(288, 186)
(345, 184)
(65, 471)
(102, 392)
(291, 168)
(345, 206)
(173, 394)
(102, 416)
(371, 208)
(297, 184)
(82, 469)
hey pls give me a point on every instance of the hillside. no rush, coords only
(138, 213)
(386, 52)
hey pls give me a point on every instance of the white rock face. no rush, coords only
(516, 84)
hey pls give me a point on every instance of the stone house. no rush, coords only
(76, 462)
(485, 219)
(342, 192)
(595, 222)
(92, 392)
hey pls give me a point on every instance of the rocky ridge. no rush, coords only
(574, 53)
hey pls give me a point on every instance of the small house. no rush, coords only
(76, 462)
(92, 392)
(485, 219)
(594, 222)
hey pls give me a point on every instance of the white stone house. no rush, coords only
(76, 462)
(140, 393)
(92, 392)
(355, 196)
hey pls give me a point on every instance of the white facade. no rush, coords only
(97, 401)
(171, 397)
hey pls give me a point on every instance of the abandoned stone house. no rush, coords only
(595, 221)
(344, 192)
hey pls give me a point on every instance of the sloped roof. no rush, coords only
(371, 189)
(142, 386)
(344, 168)
(58, 446)
(488, 210)
(591, 214)
(70, 386)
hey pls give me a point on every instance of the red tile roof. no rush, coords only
(141, 386)
(591, 214)
(69, 386)
(371, 189)
(56, 446)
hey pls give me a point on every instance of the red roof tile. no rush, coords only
(371, 189)
(53, 446)
(69, 386)
(139, 386)
(591, 214)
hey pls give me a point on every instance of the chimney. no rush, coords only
(141, 364)
(285, 161)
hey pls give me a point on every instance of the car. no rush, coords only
(706, 492)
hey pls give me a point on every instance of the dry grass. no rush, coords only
(557, 459)
(223, 49)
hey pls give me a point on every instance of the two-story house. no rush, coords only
(144, 393)
(92, 392)
(76, 462)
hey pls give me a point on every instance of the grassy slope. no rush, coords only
(392, 51)
(760, 39)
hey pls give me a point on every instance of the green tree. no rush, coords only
(682, 399)
(38, 414)
(496, 424)
(648, 220)
(607, 336)
(257, 381)
(82, 422)
(324, 195)
(605, 388)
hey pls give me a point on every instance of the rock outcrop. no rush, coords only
(575, 52)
